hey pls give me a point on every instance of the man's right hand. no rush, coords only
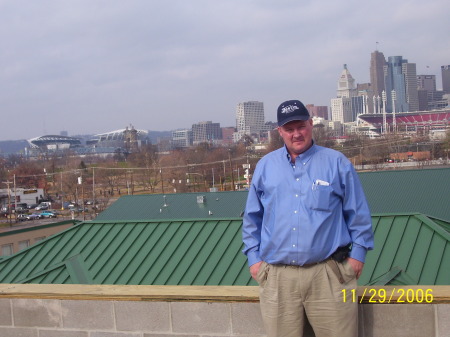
(254, 268)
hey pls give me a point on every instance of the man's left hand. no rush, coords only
(356, 265)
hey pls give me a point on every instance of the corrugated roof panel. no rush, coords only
(409, 249)
(432, 261)
(443, 274)
(58, 275)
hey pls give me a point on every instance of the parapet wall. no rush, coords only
(163, 311)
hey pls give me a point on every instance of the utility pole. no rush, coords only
(9, 200)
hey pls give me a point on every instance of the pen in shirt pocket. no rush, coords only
(319, 182)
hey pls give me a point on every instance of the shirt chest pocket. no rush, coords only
(321, 198)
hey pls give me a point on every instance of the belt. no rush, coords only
(330, 262)
(306, 265)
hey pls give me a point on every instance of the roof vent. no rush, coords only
(201, 199)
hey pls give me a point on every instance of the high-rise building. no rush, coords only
(426, 85)
(426, 82)
(317, 111)
(395, 85)
(377, 63)
(206, 132)
(341, 107)
(445, 72)
(181, 138)
(346, 84)
(412, 97)
(249, 119)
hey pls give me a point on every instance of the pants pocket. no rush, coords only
(261, 276)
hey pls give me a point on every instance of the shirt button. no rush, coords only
(293, 261)
(293, 166)
(296, 195)
(293, 245)
(293, 229)
(297, 179)
(295, 212)
(304, 163)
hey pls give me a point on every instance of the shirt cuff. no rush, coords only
(358, 252)
(253, 257)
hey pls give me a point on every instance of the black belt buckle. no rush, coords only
(341, 254)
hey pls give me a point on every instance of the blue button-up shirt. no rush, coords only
(300, 213)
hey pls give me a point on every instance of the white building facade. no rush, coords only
(249, 119)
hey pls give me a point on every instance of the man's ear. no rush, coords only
(279, 130)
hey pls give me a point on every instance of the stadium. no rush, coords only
(421, 121)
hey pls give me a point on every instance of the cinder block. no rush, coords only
(142, 316)
(387, 320)
(18, 332)
(62, 333)
(5, 312)
(202, 318)
(115, 334)
(172, 335)
(443, 320)
(36, 313)
(246, 319)
(93, 315)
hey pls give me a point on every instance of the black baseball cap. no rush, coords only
(292, 110)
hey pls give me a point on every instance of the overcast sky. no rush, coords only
(91, 66)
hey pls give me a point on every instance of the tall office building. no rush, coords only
(426, 82)
(445, 72)
(412, 97)
(206, 132)
(426, 85)
(377, 63)
(395, 85)
(249, 119)
(346, 84)
(341, 107)
(317, 111)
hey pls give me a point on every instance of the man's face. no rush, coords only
(297, 135)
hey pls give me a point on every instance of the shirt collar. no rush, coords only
(303, 157)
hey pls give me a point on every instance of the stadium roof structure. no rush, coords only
(44, 141)
(410, 249)
(411, 120)
(118, 135)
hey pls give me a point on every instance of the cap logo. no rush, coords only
(289, 109)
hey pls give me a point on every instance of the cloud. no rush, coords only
(90, 66)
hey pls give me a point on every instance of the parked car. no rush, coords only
(48, 214)
(22, 217)
(32, 206)
(34, 216)
(41, 207)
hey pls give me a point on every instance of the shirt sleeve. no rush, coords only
(252, 223)
(357, 215)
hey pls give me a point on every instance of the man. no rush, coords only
(306, 232)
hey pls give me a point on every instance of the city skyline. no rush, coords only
(90, 67)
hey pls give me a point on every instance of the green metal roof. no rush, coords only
(424, 191)
(176, 252)
(177, 206)
(410, 249)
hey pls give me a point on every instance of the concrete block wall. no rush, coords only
(93, 318)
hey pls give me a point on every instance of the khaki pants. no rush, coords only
(287, 293)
